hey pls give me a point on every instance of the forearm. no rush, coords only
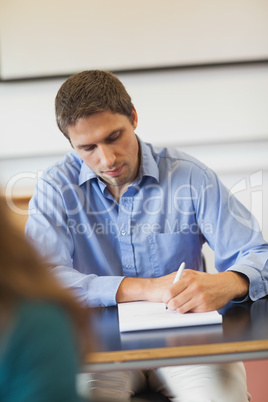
(132, 289)
(237, 284)
(90, 289)
(149, 289)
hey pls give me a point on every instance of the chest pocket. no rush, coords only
(168, 250)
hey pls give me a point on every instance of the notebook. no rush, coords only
(143, 315)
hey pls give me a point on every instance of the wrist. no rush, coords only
(241, 284)
(132, 289)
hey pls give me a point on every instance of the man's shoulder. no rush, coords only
(173, 155)
(68, 169)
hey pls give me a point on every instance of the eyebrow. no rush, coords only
(82, 146)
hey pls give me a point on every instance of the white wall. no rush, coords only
(57, 37)
(179, 107)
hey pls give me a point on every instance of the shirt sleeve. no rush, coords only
(47, 230)
(233, 233)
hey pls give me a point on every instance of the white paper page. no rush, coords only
(141, 315)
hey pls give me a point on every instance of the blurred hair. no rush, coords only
(24, 277)
(90, 92)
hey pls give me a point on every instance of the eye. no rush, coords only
(114, 136)
(89, 148)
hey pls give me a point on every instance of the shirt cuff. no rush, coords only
(102, 291)
(256, 285)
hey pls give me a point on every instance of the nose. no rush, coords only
(107, 156)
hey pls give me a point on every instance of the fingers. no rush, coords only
(155, 287)
(182, 302)
(175, 295)
(191, 293)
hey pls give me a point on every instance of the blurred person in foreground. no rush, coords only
(43, 330)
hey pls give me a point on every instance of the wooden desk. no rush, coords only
(242, 336)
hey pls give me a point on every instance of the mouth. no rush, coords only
(114, 172)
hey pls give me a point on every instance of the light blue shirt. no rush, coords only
(172, 208)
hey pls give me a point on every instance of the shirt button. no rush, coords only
(123, 232)
(128, 266)
(255, 293)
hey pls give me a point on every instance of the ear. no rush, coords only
(134, 118)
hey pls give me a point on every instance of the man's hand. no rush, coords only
(149, 289)
(199, 291)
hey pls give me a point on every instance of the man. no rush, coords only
(117, 217)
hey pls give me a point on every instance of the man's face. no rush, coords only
(108, 145)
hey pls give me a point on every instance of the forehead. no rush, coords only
(97, 126)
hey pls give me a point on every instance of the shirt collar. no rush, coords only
(148, 166)
(86, 174)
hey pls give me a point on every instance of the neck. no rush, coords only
(117, 191)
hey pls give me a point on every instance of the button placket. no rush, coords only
(124, 224)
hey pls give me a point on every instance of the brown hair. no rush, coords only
(89, 92)
(24, 277)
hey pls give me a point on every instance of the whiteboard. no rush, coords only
(59, 37)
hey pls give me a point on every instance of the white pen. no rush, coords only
(179, 272)
(178, 275)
